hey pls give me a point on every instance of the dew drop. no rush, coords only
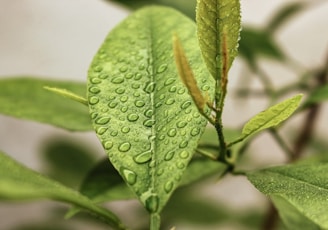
(93, 100)
(94, 115)
(124, 98)
(114, 133)
(205, 87)
(160, 172)
(158, 104)
(128, 75)
(185, 105)
(129, 176)
(94, 90)
(98, 68)
(108, 145)
(162, 68)
(135, 85)
(143, 157)
(123, 69)
(124, 147)
(152, 164)
(168, 187)
(169, 81)
(168, 156)
(102, 120)
(181, 124)
(149, 113)
(138, 76)
(173, 89)
(133, 117)
(180, 165)
(150, 87)
(149, 123)
(120, 90)
(183, 144)
(103, 76)
(125, 129)
(139, 103)
(124, 109)
(112, 104)
(118, 80)
(162, 96)
(95, 80)
(101, 130)
(161, 137)
(184, 154)
(181, 91)
(170, 101)
(195, 131)
(152, 203)
(142, 66)
(172, 132)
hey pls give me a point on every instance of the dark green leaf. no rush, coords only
(25, 98)
(20, 183)
(302, 188)
(140, 109)
(317, 96)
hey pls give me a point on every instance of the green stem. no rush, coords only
(155, 221)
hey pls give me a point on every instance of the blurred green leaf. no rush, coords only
(255, 43)
(302, 189)
(25, 98)
(20, 183)
(66, 161)
(283, 15)
(317, 96)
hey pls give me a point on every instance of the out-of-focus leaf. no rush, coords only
(20, 183)
(185, 6)
(283, 15)
(25, 98)
(255, 43)
(66, 161)
(317, 96)
(300, 188)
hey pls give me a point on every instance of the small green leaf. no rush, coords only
(140, 109)
(272, 116)
(300, 188)
(218, 28)
(68, 94)
(20, 183)
(25, 98)
(317, 96)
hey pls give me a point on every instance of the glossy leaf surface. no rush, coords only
(25, 98)
(302, 189)
(20, 183)
(272, 116)
(218, 29)
(140, 109)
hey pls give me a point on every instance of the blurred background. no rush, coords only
(58, 39)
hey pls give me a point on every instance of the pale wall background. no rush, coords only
(57, 39)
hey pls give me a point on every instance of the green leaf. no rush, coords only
(25, 98)
(283, 15)
(272, 116)
(185, 6)
(140, 109)
(299, 188)
(20, 183)
(317, 96)
(255, 43)
(218, 29)
(68, 94)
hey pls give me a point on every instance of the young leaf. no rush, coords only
(187, 76)
(25, 98)
(317, 96)
(141, 111)
(272, 116)
(301, 188)
(218, 28)
(20, 183)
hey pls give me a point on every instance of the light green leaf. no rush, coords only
(140, 109)
(300, 188)
(272, 116)
(25, 98)
(20, 183)
(218, 28)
